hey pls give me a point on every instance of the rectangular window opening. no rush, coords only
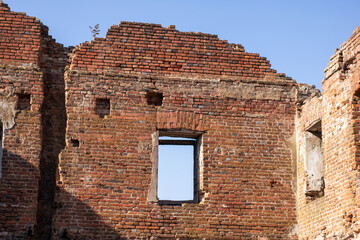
(178, 163)
(314, 162)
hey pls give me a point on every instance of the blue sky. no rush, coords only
(176, 172)
(298, 37)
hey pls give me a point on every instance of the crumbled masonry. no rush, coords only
(274, 159)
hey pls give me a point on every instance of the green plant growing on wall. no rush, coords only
(95, 30)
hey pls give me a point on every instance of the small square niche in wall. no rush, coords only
(154, 98)
(102, 107)
(75, 142)
(23, 102)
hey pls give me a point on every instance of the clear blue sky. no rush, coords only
(176, 172)
(298, 37)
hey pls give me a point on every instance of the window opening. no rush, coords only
(176, 169)
(314, 162)
(175, 157)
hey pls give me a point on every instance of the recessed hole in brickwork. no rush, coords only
(314, 162)
(357, 92)
(154, 98)
(102, 107)
(23, 102)
(30, 231)
(75, 142)
(63, 233)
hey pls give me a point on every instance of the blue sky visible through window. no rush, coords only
(176, 171)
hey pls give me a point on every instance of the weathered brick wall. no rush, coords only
(22, 148)
(52, 62)
(30, 65)
(353, 73)
(253, 123)
(149, 48)
(19, 74)
(20, 37)
(336, 214)
(310, 210)
(244, 108)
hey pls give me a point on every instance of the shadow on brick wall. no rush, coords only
(18, 197)
(76, 220)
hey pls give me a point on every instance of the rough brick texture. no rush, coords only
(245, 174)
(208, 86)
(80, 137)
(335, 215)
(20, 37)
(246, 167)
(31, 70)
(150, 48)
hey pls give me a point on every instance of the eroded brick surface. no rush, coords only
(245, 173)
(78, 141)
(335, 215)
(150, 48)
(31, 75)
(22, 141)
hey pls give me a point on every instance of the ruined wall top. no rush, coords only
(20, 36)
(22, 39)
(150, 48)
(345, 55)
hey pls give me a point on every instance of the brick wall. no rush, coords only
(244, 109)
(310, 209)
(53, 117)
(20, 44)
(31, 65)
(22, 148)
(20, 37)
(79, 147)
(335, 215)
(150, 48)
